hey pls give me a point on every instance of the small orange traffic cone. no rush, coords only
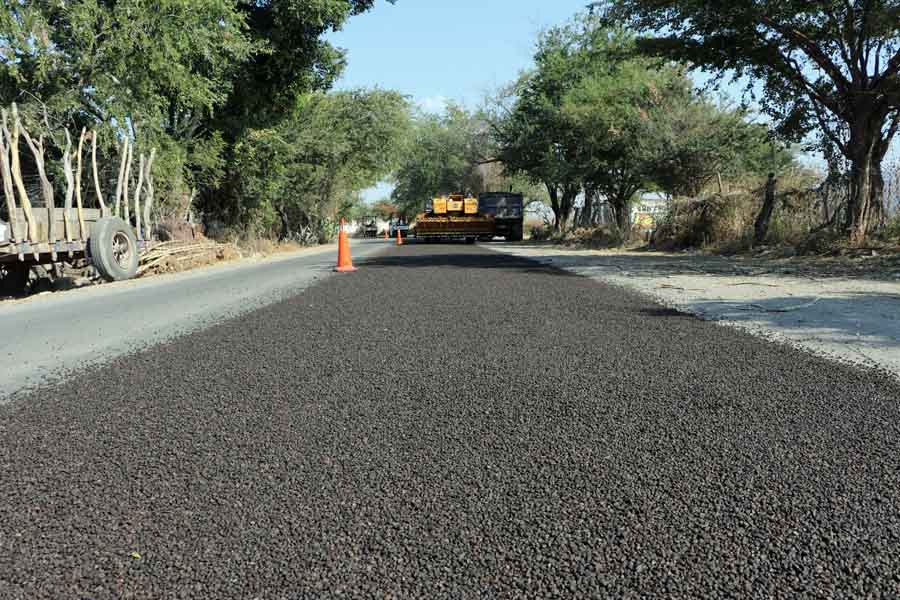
(345, 262)
(386, 236)
(399, 238)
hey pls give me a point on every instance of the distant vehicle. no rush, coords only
(490, 215)
(508, 210)
(399, 224)
(456, 216)
(370, 227)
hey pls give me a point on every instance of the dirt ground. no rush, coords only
(847, 308)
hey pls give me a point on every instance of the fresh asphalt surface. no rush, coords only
(452, 422)
(44, 336)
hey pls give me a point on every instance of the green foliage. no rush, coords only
(620, 110)
(309, 168)
(445, 154)
(152, 71)
(534, 136)
(698, 141)
(291, 57)
(203, 81)
(595, 116)
(829, 67)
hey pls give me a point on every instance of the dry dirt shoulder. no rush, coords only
(847, 309)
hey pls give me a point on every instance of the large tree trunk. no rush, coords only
(566, 206)
(866, 151)
(761, 227)
(553, 192)
(865, 198)
(286, 232)
(620, 213)
(587, 213)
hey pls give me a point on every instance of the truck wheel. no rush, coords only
(515, 234)
(14, 278)
(114, 249)
(470, 240)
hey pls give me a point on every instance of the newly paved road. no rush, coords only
(44, 336)
(451, 422)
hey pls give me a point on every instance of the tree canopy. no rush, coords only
(298, 177)
(198, 79)
(830, 67)
(594, 118)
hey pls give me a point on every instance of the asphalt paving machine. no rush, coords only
(456, 216)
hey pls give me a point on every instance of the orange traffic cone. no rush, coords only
(345, 263)
(386, 236)
(399, 238)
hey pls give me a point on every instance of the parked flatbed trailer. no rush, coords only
(42, 233)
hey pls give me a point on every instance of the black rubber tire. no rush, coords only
(15, 278)
(114, 249)
(471, 240)
(515, 234)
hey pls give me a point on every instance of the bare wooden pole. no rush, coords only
(122, 161)
(126, 211)
(16, 169)
(78, 203)
(148, 197)
(6, 175)
(70, 186)
(137, 197)
(103, 209)
(37, 149)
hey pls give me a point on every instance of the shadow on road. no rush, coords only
(650, 264)
(462, 260)
(870, 317)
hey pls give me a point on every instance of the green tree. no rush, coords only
(298, 177)
(291, 57)
(830, 65)
(153, 71)
(442, 157)
(534, 135)
(616, 111)
(699, 141)
(187, 76)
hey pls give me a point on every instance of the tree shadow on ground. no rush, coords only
(462, 260)
(869, 319)
(650, 264)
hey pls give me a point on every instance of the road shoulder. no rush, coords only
(851, 318)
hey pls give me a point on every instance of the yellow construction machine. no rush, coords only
(453, 217)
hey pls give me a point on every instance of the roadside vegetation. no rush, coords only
(609, 116)
(232, 94)
(252, 144)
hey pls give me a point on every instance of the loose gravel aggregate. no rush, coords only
(453, 422)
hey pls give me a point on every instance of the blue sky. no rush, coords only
(439, 50)
(436, 50)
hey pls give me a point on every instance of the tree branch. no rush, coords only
(813, 51)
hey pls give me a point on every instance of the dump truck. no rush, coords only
(456, 216)
(369, 226)
(508, 211)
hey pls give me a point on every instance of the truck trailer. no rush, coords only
(453, 217)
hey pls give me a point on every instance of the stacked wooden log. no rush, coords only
(179, 256)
